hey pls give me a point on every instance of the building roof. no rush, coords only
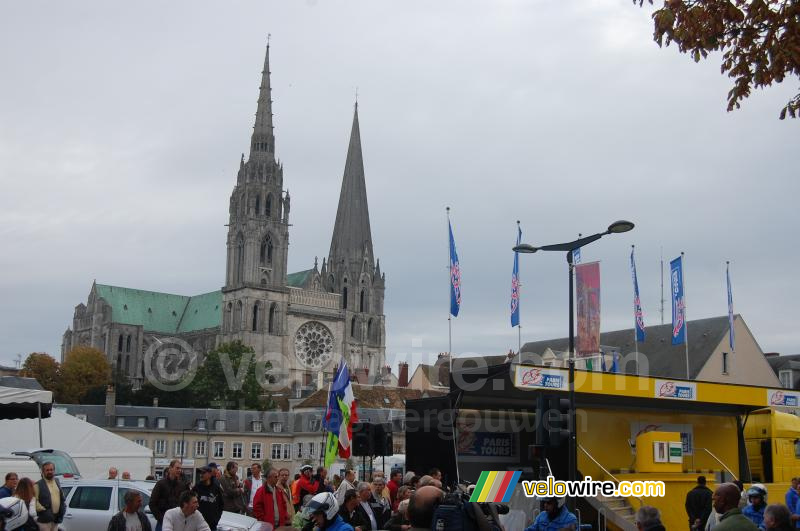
(437, 374)
(371, 397)
(20, 382)
(665, 360)
(298, 279)
(162, 312)
(784, 363)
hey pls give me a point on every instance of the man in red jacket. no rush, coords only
(269, 504)
(306, 484)
(396, 479)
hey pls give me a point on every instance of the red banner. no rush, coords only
(587, 293)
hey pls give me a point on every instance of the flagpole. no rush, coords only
(732, 319)
(519, 300)
(449, 288)
(685, 317)
(635, 318)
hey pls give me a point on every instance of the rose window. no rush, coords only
(313, 344)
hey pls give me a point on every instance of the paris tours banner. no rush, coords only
(678, 302)
(587, 294)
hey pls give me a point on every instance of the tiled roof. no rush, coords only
(162, 312)
(371, 397)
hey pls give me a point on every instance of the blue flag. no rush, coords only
(614, 362)
(576, 256)
(637, 305)
(455, 276)
(678, 302)
(603, 361)
(333, 414)
(515, 284)
(731, 335)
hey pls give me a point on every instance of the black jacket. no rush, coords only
(47, 515)
(209, 497)
(166, 495)
(117, 522)
(698, 505)
(381, 512)
(356, 519)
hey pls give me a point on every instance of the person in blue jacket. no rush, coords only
(554, 517)
(757, 502)
(324, 511)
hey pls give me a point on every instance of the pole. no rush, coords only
(39, 407)
(685, 318)
(636, 322)
(519, 300)
(572, 472)
(662, 285)
(449, 314)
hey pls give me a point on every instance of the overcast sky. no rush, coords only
(122, 124)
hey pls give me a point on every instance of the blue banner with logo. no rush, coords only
(637, 305)
(678, 302)
(455, 276)
(731, 335)
(515, 284)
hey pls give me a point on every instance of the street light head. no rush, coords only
(525, 248)
(620, 226)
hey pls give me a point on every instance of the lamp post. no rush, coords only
(569, 247)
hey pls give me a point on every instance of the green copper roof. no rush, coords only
(162, 312)
(298, 280)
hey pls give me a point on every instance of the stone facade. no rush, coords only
(302, 322)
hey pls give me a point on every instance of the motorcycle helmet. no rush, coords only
(325, 503)
(757, 489)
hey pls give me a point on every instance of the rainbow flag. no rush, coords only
(495, 486)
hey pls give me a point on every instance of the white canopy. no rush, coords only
(18, 403)
(93, 448)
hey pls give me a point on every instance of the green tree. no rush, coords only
(84, 369)
(44, 368)
(231, 377)
(759, 40)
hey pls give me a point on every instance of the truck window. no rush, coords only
(797, 448)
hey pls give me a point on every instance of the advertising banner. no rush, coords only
(587, 293)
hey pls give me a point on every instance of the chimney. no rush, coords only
(402, 378)
(155, 401)
(111, 402)
(321, 380)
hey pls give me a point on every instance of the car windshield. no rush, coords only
(64, 464)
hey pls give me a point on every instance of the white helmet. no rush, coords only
(324, 502)
(13, 512)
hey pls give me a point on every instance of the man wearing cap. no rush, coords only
(554, 516)
(209, 497)
(306, 485)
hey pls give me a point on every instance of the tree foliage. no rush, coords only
(760, 40)
(44, 368)
(84, 369)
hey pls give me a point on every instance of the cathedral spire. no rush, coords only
(263, 140)
(352, 238)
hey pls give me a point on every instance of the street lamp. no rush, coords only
(617, 227)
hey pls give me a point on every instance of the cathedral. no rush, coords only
(302, 322)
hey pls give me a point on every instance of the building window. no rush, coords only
(160, 447)
(120, 422)
(201, 424)
(199, 448)
(219, 425)
(257, 426)
(268, 206)
(119, 343)
(724, 363)
(299, 453)
(258, 205)
(353, 327)
(271, 319)
(255, 451)
(219, 449)
(236, 450)
(141, 422)
(255, 318)
(276, 427)
(344, 297)
(363, 301)
(141, 442)
(314, 424)
(311, 450)
(265, 253)
(287, 451)
(128, 344)
(161, 423)
(786, 378)
(275, 451)
(179, 448)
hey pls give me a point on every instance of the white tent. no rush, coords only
(93, 449)
(18, 403)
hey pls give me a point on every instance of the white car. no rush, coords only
(92, 503)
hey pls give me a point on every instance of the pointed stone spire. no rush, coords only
(352, 238)
(263, 140)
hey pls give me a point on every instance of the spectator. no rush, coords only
(436, 474)
(251, 485)
(269, 504)
(403, 493)
(167, 492)
(378, 474)
(726, 502)
(757, 502)
(209, 497)
(348, 510)
(346, 484)
(232, 489)
(777, 518)
(408, 477)
(395, 480)
(50, 500)
(791, 494)
(26, 493)
(742, 496)
(649, 519)
(7, 490)
(399, 521)
(306, 484)
(554, 517)
(112, 473)
(321, 477)
(698, 505)
(380, 497)
(424, 481)
(422, 505)
(283, 484)
(324, 513)
(126, 476)
(131, 516)
(185, 517)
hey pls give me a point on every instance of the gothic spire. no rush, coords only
(352, 238)
(263, 140)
